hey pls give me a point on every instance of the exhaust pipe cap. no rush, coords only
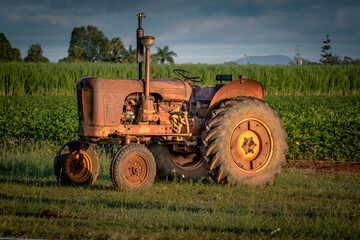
(148, 41)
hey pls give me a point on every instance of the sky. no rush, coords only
(199, 31)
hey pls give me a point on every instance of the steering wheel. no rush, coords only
(187, 76)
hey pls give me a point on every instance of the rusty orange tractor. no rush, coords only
(173, 128)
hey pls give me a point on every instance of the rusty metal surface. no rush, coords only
(148, 41)
(94, 131)
(170, 89)
(148, 112)
(133, 130)
(164, 111)
(241, 87)
(101, 104)
(101, 101)
(135, 169)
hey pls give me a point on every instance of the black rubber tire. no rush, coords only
(144, 163)
(88, 175)
(222, 160)
(167, 170)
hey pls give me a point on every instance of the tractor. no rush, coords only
(173, 128)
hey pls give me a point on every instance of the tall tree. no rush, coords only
(117, 47)
(89, 44)
(77, 45)
(164, 55)
(7, 52)
(34, 54)
(326, 55)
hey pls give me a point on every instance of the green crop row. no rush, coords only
(319, 127)
(59, 79)
(38, 118)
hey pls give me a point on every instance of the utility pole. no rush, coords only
(244, 59)
(299, 61)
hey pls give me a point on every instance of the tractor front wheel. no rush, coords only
(76, 164)
(133, 168)
(244, 142)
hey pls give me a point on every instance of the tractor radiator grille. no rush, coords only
(85, 106)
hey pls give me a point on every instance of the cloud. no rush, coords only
(346, 17)
(187, 22)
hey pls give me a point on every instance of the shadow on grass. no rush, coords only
(115, 204)
(41, 182)
(62, 198)
(106, 178)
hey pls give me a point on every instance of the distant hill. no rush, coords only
(266, 60)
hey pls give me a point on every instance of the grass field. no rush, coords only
(59, 79)
(301, 204)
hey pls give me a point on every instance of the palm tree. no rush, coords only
(164, 55)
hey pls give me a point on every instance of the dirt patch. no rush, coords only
(330, 167)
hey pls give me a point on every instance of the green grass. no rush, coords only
(301, 204)
(60, 79)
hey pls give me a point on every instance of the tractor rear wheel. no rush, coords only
(76, 165)
(244, 143)
(133, 168)
(170, 164)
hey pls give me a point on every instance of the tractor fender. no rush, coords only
(237, 88)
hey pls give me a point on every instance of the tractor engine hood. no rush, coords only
(170, 89)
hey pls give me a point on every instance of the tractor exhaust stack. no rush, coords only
(147, 104)
(148, 42)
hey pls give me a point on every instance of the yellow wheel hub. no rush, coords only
(248, 145)
(79, 167)
(251, 145)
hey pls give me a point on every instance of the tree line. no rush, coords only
(87, 44)
(10, 54)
